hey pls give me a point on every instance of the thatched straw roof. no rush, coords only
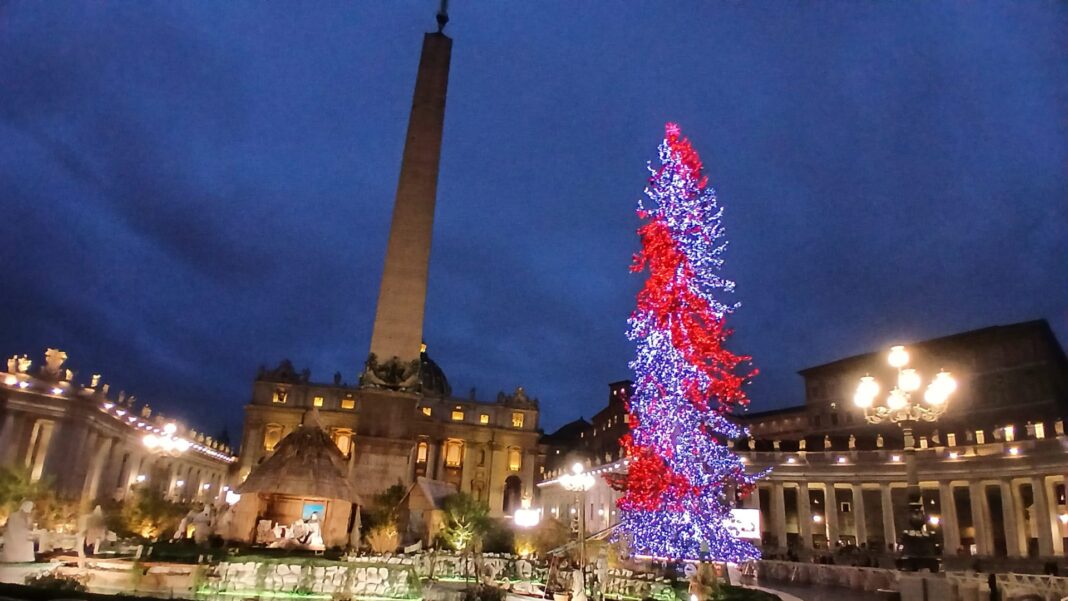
(306, 463)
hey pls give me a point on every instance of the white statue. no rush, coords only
(92, 532)
(24, 364)
(202, 526)
(312, 535)
(13, 364)
(578, 587)
(183, 526)
(18, 536)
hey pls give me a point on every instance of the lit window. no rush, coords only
(1010, 433)
(457, 415)
(980, 438)
(348, 403)
(426, 410)
(421, 452)
(1040, 430)
(515, 459)
(272, 434)
(280, 395)
(454, 453)
(317, 401)
(517, 419)
(483, 419)
(343, 439)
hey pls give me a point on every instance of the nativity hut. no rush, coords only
(306, 475)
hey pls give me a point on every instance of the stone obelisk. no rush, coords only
(398, 328)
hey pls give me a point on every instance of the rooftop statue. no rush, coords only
(53, 367)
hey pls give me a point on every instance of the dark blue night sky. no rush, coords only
(191, 189)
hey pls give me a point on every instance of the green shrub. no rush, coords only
(56, 582)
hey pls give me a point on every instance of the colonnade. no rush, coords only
(986, 515)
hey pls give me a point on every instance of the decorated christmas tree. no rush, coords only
(686, 383)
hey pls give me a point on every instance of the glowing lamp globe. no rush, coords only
(898, 357)
(862, 400)
(945, 382)
(908, 380)
(897, 400)
(868, 387)
(150, 441)
(934, 395)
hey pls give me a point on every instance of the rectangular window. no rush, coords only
(280, 395)
(980, 437)
(517, 419)
(421, 452)
(1010, 433)
(454, 453)
(483, 419)
(457, 415)
(317, 401)
(1040, 430)
(348, 403)
(515, 459)
(426, 411)
(845, 507)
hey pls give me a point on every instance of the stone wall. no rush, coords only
(392, 579)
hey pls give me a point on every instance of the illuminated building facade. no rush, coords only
(91, 445)
(992, 469)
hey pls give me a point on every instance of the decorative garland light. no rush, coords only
(686, 383)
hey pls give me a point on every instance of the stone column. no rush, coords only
(1054, 522)
(860, 518)
(980, 522)
(753, 500)
(1014, 544)
(466, 459)
(831, 515)
(1041, 515)
(889, 530)
(778, 514)
(96, 467)
(431, 458)
(9, 443)
(804, 514)
(950, 524)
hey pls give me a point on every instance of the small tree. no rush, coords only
(466, 521)
(49, 510)
(383, 538)
(147, 513)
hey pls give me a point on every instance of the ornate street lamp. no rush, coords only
(579, 482)
(166, 442)
(902, 409)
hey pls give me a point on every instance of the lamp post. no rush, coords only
(902, 409)
(579, 482)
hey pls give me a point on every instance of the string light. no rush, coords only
(686, 382)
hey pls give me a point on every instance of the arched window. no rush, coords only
(343, 439)
(272, 435)
(454, 453)
(421, 451)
